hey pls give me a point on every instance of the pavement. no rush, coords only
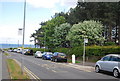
(87, 64)
(45, 69)
(4, 74)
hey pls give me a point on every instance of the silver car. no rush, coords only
(38, 54)
(109, 63)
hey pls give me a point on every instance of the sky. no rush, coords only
(11, 17)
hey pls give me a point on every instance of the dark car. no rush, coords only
(47, 55)
(59, 57)
(28, 52)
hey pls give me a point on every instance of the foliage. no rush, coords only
(38, 49)
(88, 29)
(107, 13)
(109, 43)
(60, 33)
(90, 51)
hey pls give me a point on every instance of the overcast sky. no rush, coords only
(11, 16)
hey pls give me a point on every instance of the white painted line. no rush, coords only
(54, 71)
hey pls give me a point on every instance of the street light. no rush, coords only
(85, 41)
(23, 35)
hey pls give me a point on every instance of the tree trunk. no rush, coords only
(109, 33)
(119, 23)
(119, 35)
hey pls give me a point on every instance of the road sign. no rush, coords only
(20, 31)
(86, 40)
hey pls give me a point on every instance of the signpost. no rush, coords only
(85, 41)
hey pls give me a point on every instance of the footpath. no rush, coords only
(4, 74)
(88, 67)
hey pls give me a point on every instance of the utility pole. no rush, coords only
(85, 41)
(23, 35)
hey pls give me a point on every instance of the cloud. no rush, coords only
(46, 3)
(52, 3)
(69, 3)
(43, 3)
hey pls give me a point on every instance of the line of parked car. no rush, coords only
(56, 56)
(109, 63)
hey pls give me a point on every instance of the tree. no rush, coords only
(60, 33)
(38, 36)
(88, 29)
(48, 29)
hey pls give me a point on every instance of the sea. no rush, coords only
(16, 45)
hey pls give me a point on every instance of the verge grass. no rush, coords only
(15, 70)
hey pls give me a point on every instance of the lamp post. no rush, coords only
(85, 41)
(23, 35)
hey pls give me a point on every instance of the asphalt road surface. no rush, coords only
(0, 65)
(45, 69)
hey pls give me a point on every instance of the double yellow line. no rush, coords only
(32, 74)
(29, 72)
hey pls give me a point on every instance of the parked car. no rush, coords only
(59, 57)
(9, 50)
(38, 54)
(19, 50)
(47, 55)
(28, 52)
(15, 50)
(110, 63)
(23, 51)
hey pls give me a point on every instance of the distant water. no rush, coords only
(15, 45)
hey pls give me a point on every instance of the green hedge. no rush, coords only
(38, 49)
(90, 50)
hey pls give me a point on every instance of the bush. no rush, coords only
(38, 49)
(90, 50)
(109, 43)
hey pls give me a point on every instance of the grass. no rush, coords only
(6, 54)
(15, 70)
(70, 61)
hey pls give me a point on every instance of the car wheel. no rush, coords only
(51, 59)
(56, 60)
(66, 61)
(115, 73)
(97, 69)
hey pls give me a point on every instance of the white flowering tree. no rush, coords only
(92, 30)
(60, 33)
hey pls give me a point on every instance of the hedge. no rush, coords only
(90, 50)
(38, 49)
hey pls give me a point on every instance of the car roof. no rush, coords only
(118, 55)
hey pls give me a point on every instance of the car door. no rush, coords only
(104, 63)
(113, 63)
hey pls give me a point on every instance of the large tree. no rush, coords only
(48, 29)
(60, 33)
(92, 30)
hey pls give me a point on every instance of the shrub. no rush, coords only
(38, 49)
(90, 50)
(109, 43)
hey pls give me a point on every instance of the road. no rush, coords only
(45, 69)
(0, 65)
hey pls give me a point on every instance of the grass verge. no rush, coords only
(70, 61)
(15, 70)
(6, 54)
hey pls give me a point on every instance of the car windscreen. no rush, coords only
(49, 53)
(61, 54)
